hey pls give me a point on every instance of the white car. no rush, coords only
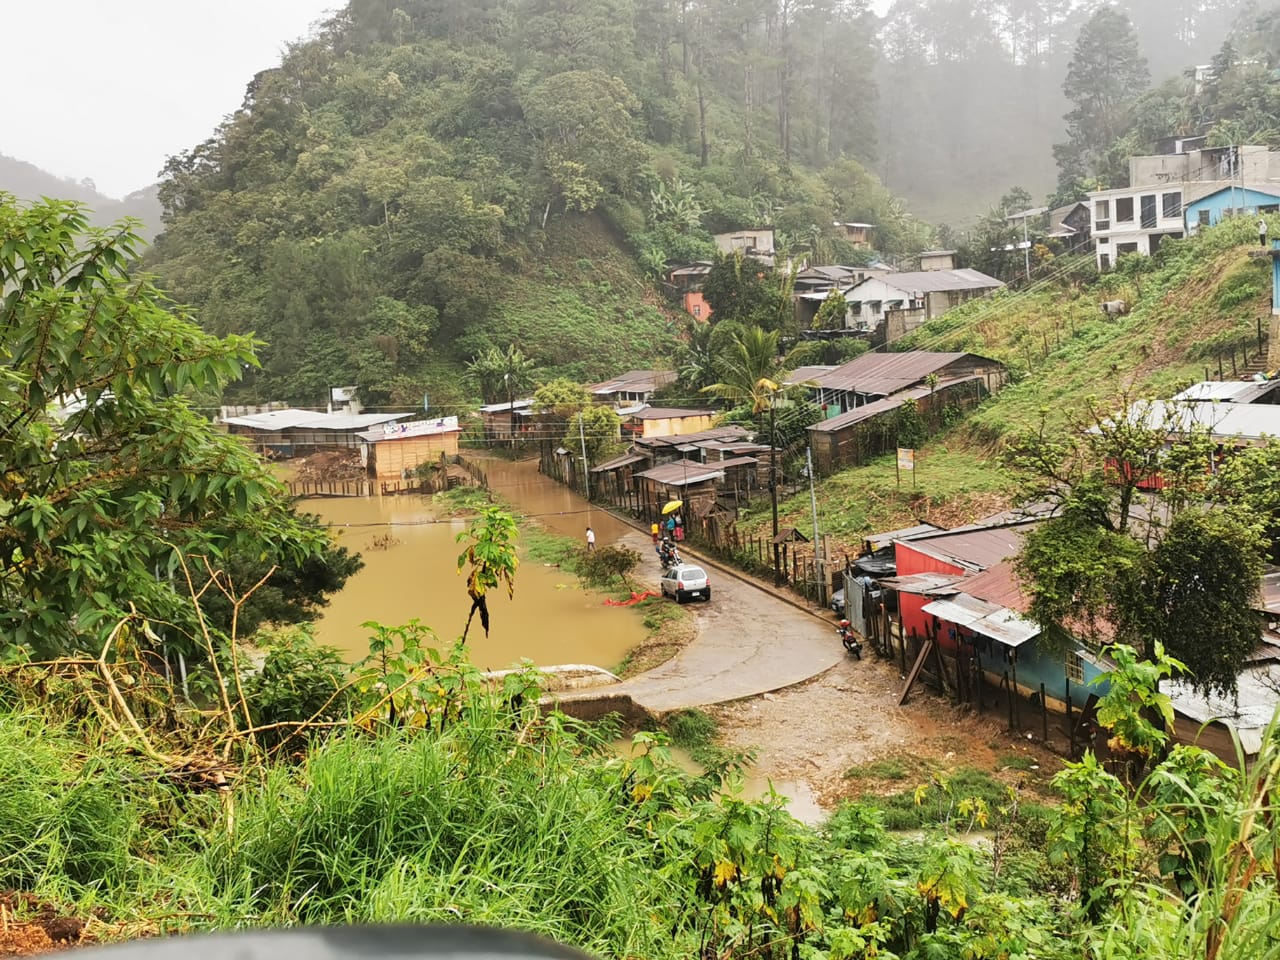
(685, 581)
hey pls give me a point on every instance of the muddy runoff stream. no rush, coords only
(411, 571)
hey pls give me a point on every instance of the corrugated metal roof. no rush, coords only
(888, 373)
(414, 428)
(1222, 421)
(670, 413)
(625, 460)
(1229, 391)
(1248, 714)
(923, 584)
(634, 381)
(989, 619)
(503, 407)
(960, 609)
(930, 281)
(682, 472)
(976, 550)
(312, 420)
(701, 436)
(805, 374)
(1007, 626)
(999, 585)
(876, 541)
(883, 405)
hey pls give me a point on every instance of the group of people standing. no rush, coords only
(665, 536)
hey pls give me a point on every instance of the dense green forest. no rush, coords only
(420, 182)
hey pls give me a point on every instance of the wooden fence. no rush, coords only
(329, 488)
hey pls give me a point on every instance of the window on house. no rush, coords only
(697, 310)
(1123, 248)
(1104, 262)
(1202, 217)
(1102, 210)
(1148, 211)
(1124, 209)
(1075, 668)
(1171, 205)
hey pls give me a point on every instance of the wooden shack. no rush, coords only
(395, 450)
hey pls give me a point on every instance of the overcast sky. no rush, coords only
(108, 89)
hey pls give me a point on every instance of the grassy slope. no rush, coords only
(1205, 296)
(583, 310)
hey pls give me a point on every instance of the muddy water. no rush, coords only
(556, 506)
(411, 571)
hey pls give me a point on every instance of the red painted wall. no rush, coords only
(910, 605)
(693, 299)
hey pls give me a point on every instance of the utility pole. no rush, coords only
(1026, 248)
(773, 482)
(819, 561)
(586, 466)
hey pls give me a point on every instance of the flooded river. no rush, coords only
(411, 571)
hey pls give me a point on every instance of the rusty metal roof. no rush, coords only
(975, 550)
(634, 381)
(999, 585)
(715, 433)
(887, 373)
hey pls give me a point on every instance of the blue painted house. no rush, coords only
(986, 612)
(1224, 202)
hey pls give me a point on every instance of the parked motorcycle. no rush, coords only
(844, 630)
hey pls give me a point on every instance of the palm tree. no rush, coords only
(502, 374)
(695, 359)
(750, 373)
(749, 369)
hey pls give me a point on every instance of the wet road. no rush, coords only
(749, 642)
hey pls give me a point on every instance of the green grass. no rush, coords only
(541, 546)
(889, 768)
(586, 312)
(460, 501)
(692, 730)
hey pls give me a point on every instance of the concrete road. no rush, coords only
(749, 642)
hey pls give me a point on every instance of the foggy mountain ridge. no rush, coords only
(971, 96)
(26, 181)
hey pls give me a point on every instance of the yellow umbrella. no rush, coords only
(672, 507)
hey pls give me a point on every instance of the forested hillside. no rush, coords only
(408, 188)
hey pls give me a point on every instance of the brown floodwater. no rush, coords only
(410, 571)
